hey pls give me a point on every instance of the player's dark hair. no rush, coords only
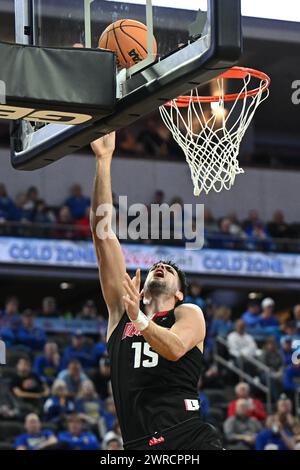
(181, 275)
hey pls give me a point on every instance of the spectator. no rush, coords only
(224, 238)
(80, 350)
(194, 295)
(48, 365)
(88, 405)
(65, 224)
(221, 324)
(8, 335)
(49, 308)
(32, 197)
(255, 408)
(241, 430)
(291, 378)
(73, 377)
(99, 350)
(102, 377)
(258, 237)
(273, 436)
(240, 343)
(267, 318)
(89, 311)
(284, 413)
(253, 218)
(287, 349)
(6, 203)
(10, 316)
(19, 213)
(109, 413)
(29, 335)
(235, 227)
(278, 228)
(273, 359)
(76, 437)
(251, 316)
(112, 442)
(35, 438)
(41, 214)
(77, 202)
(83, 225)
(26, 385)
(59, 404)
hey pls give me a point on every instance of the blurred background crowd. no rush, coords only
(55, 389)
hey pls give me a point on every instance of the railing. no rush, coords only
(238, 369)
(216, 241)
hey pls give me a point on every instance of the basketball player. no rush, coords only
(155, 358)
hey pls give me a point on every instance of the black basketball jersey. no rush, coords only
(151, 393)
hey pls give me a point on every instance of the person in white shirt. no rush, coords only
(240, 343)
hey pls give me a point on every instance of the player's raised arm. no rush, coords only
(109, 253)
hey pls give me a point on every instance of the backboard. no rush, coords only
(197, 40)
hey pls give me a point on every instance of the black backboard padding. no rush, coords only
(55, 79)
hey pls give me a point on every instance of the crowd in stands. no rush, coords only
(55, 390)
(29, 215)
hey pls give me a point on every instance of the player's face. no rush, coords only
(162, 277)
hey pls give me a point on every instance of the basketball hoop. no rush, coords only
(210, 134)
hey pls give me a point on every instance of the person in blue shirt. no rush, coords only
(251, 316)
(80, 350)
(267, 318)
(34, 438)
(221, 325)
(19, 212)
(77, 202)
(109, 413)
(10, 316)
(99, 350)
(49, 364)
(73, 377)
(28, 335)
(76, 437)
(274, 437)
(59, 404)
(286, 349)
(7, 335)
(194, 296)
(291, 378)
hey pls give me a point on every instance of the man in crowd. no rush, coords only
(34, 438)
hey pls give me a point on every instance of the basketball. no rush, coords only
(128, 38)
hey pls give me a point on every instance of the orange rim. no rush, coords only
(233, 73)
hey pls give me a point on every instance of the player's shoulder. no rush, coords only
(188, 309)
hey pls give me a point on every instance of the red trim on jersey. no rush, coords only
(154, 441)
(160, 314)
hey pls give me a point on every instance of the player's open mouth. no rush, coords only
(159, 273)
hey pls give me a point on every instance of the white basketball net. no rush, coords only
(210, 135)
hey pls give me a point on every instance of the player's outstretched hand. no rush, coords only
(105, 146)
(133, 294)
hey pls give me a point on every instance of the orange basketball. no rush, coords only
(128, 38)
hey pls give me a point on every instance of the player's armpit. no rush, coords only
(189, 326)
